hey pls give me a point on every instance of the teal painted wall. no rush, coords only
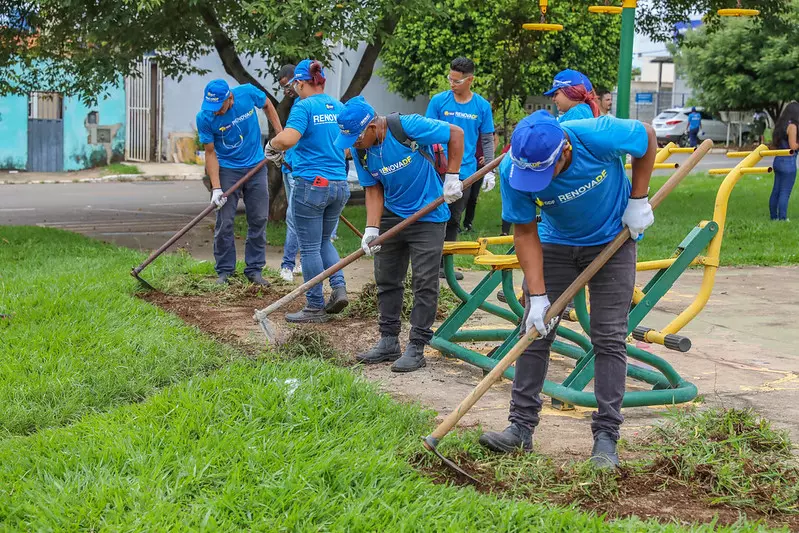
(13, 132)
(78, 153)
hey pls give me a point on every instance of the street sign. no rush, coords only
(644, 98)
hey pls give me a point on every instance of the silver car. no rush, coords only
(672, 126)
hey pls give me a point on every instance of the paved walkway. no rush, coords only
(149, 171)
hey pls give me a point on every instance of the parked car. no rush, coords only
(672, 126)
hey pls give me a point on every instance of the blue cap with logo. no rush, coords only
(588, 85)
(566, 78)
(535, 147)
(216, 92)
(353, 119)
(302, 72)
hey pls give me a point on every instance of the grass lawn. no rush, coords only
(120, 168)
(750, 238)
(116, 416)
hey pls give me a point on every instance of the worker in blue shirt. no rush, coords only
(472, 113)
(320, 189)
(574, 174)
(400, 179)
(694, 125)
(289, 266)
(573, 95)
(229, 131)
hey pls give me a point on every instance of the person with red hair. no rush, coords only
(573, 95)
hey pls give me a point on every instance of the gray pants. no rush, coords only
(420, 243)
(611, 292)
(456, 210)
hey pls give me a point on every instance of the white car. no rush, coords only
(672, 126)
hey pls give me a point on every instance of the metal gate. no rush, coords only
(144, 114)
(45, 132)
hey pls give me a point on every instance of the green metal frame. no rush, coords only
(668, 387)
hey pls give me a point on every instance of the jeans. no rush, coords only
(784, 178)
(316, 212)
(256, 204)
(471, 203)
(693, 137)
(421, 243)
(291, 246)
(611, 292)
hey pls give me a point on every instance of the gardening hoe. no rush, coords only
(137, 270)
(431, 441)
(261, 315)
(351, 226)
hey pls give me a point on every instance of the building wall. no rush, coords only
(82, 147)
(13, 132)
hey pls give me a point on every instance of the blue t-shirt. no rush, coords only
(236, 134)
(694, 121)
(584, 204)
(578, 112)
(409, 180)
(474, 117)
(288, 153)
(314, 155)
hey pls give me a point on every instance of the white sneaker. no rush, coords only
(286, 275)
(298, 269)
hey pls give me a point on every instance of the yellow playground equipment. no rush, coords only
(667, 386)
(542, 25)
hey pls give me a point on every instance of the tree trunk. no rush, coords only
(366, 66)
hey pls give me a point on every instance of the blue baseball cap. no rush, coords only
(535, 147)
(302, 72)
(353, 119)
(216, 92)
(566, 78)
(588, 85)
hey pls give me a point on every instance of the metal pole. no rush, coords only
(625, 58)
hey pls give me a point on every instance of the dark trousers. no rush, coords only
(784, 179)
(611, 292)
(420, 243)
(455, 211)
(693, 137)
(506, 227)
(471, 203)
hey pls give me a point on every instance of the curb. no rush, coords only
(120, 178)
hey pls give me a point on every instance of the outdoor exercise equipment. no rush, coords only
(542, 25)
(606, 9)
(738, 11)
(668, 387)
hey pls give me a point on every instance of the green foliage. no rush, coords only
(743, 64)
(511, 63)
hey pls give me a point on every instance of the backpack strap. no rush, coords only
(395, 127)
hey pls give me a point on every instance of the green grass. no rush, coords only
(750, 237)
(120, 168)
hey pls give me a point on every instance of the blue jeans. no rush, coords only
(784, 178)
(316, 212)
(291, 246)
(256, 204)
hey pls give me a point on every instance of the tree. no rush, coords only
(744, 65)
(511, 62)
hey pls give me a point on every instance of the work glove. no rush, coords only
(637, 216)
(217, 198)
(273, 154)
(489, 182)
(369, 235)
(453, 189)
(534, 313)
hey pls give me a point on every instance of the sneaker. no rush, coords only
(387, 349)
(604, 455)
(513, 438)
(298, 269)
(307, 316)
(223, 279)
(441, 274)
(258, 279)
(286, 275)
(338, 301)
(412, 359)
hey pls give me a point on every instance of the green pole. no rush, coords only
(625, 58)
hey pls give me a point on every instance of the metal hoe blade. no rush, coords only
(142, 281)
(430, 444)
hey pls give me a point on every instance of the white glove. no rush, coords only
(489, 182)
(453, 189)
(638, 216)
(369, 235)
(535, 312)
(273, 154)
(217, 198)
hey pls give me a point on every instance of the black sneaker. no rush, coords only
(338, 301)
(513, 438)
(604, 455)
(412, 359)
(387, 349)
(441, 274)
(258, 279)
(307, 316)
(223, 279)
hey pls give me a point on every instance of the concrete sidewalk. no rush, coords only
(149, 171)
